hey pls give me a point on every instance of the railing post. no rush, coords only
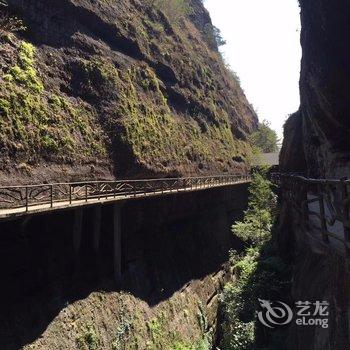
(86, 193)
(70, 194)
(323, 216)
(346, 216)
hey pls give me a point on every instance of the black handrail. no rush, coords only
(26, 196)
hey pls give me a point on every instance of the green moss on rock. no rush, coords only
(36, 123)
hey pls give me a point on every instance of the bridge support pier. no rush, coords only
(117, 239)
(77, 230)
(97, 229)
(77, 234)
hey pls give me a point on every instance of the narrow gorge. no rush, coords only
(133, 214)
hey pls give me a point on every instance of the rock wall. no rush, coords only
(322, 125)
(174, 251)
(317, 144)
(117, 88)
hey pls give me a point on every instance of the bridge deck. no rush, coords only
(18, 201)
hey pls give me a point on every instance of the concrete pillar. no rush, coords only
(77, 230)
(97, 228)
(117, 236)
(23, 226)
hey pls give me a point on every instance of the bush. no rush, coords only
(89, 339)
(8, 23)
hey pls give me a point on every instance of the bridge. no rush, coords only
(17, 201)
(85, 201)
(322, 207)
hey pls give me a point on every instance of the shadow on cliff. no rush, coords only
(165, 245)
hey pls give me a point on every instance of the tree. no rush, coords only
(258, 219)
(214, 36)
(220, 41)
(265, 139)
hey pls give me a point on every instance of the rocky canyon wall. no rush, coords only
(317, 144)
(117, 88)
(322, 129)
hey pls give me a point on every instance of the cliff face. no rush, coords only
(317, 144)
(99, 88)
(322, 126)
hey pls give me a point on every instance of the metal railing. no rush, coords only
(327, 200)
(49, 194)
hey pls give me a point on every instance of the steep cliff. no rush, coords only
(317, 144)
(97, 88)
(322, 127)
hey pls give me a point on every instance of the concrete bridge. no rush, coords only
(22, 203)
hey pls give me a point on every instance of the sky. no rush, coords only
(263, 48)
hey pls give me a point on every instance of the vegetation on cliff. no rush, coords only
(265, 139)
(36, 123)
(136, 88)
(260, 273)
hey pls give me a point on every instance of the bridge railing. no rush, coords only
(325, 202)
(50, 194)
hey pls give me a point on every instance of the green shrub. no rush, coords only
(202, 344)
(257, 222)
(89, 339)
(24, 73)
